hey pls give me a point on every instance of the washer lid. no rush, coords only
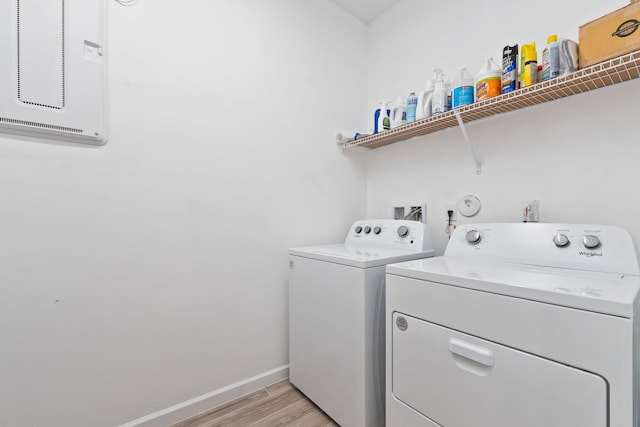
(359, 256)
(607, 293)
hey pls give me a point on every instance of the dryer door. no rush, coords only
(458, 380)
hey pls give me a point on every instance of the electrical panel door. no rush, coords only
(53, 69)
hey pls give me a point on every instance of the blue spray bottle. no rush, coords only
(376, 118)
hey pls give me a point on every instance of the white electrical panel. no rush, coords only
(53, 69)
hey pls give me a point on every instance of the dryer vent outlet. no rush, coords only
(410, 211)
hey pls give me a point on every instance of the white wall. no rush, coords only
(152, 270)
(578, 155)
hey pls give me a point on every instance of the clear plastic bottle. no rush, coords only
(551, 58)
(439, 97)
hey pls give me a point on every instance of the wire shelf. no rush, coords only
(617, 70)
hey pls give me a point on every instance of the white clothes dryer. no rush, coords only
(524, 325)
(336, 317)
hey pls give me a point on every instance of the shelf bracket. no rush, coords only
(469, 144)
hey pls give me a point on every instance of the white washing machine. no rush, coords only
(336, 317)
(525, 325)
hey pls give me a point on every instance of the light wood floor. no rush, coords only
(280, 404)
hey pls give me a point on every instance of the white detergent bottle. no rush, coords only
(399, 113)
(463, 89)
(423, 110)
(488, 80)
(439, 95)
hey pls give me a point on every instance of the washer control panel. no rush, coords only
(587, 247)
(388, 233)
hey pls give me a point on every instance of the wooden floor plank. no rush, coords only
(279, 387)
(316, 419)
(224, 409)
(288, 416)
(277, 405)
(258, 410)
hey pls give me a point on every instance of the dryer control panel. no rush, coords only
(390, 233)
(601, 248)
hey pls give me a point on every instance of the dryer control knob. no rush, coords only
(358, 230)
(590, 241)
(403, 231)
(473, 237)
(561, 240)
(367, 230)
(377, 230)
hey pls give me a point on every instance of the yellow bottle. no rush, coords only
(528, 65)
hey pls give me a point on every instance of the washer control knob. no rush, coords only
(367, 230)
(473, 237)
(590, 241)
(561, 240)
(403, 231)
(377, 229)
(358, 230)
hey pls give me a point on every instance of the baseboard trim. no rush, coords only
(197, 405)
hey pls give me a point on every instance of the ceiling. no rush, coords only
(365, 10)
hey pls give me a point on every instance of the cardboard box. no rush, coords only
(609, 36)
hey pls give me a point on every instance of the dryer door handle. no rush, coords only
(471, 352)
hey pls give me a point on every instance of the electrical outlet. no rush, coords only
(451, 207)
(450, 220)
(410, 211)
(531, 211)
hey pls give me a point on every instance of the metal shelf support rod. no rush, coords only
(476, 159)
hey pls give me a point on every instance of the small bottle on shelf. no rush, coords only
(551, 59)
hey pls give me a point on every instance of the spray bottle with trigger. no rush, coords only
(381, 113)
(386, 119)
(439, 96)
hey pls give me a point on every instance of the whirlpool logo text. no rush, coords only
(590, 254)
